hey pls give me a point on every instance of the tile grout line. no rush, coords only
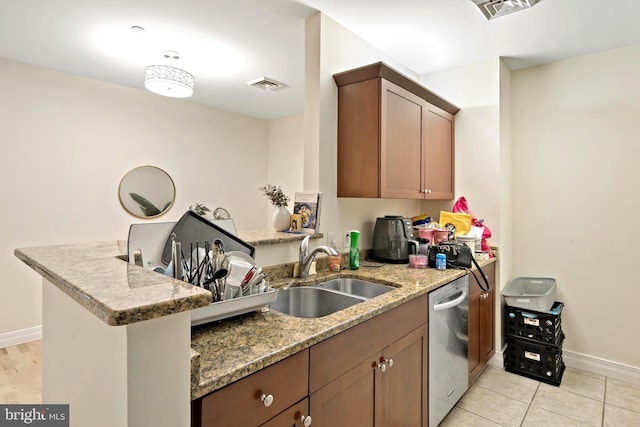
(480, 416)
(530, 403)
(604, 400)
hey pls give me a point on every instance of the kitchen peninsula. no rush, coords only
(118, 344)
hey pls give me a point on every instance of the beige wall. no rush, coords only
(482, 156)
(66, 142)
(285, 156)
(506, 206)
(575, 127)
(330, 49)
(477, 135)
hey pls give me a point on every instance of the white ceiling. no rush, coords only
(225, 43)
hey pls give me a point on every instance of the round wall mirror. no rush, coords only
(146, 192)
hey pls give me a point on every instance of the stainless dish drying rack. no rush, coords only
(205, 267)
(212, 268)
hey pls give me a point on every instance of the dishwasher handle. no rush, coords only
(452, 303)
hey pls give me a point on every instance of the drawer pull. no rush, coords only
(267, 400)
(306, 421)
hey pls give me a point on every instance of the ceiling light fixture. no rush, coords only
(497, 8)
(169, 81)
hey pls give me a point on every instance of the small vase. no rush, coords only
(281, 219)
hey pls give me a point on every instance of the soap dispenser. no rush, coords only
(354, 252)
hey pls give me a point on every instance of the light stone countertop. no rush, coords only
(268, 237)
(115, 291)
(96, 276)
(229, 350)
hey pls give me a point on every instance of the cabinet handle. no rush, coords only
(267, 400)
(382, 366)
(484, 295)
(306, 421)
(389, 362)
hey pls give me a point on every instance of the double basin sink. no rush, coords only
(324, 298)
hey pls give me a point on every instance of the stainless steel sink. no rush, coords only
(312, 302)
(357, 287)
(327, 297)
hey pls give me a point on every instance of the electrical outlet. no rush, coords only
(331, 239)
(347, 239)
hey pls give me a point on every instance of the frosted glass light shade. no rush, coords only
(168, 81)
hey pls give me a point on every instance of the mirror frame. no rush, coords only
(133, 184)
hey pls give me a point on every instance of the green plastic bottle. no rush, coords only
(354, 252)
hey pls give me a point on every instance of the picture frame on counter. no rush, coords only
(308, 205)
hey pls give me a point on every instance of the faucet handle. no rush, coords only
(304, 250)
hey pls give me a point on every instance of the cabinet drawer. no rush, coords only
(240, 404)
(294, 416)
(337, 355)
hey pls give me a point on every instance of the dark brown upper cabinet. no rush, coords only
(395, 137)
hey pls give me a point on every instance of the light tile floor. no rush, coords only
(499, 398)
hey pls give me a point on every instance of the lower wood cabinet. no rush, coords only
(404, 384)
(481, 322)
(388, 389)
(374, 374)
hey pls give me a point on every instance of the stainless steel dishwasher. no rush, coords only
(448, 347)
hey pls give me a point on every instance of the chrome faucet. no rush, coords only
(306, 258)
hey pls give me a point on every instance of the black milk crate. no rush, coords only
(544, 327)
(532, 359)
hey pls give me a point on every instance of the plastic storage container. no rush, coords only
(532, 293)
(545, 327)
(532, 359)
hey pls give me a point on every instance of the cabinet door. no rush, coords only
(481, 323)
(349, 400)
(437, 154)
(487, 320)
(474, 331)
(404, 382)
(291, 417)
(359, 139)
(401, 133)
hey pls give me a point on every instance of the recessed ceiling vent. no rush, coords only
(266, 83)
(497, 8)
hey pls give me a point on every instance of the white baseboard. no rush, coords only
(21, 336)
(584, 362)
(497, 360)
(596, 365)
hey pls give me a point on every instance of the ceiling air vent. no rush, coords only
(497, 8)
(266, 83)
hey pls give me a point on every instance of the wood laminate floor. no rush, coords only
(21, 373)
